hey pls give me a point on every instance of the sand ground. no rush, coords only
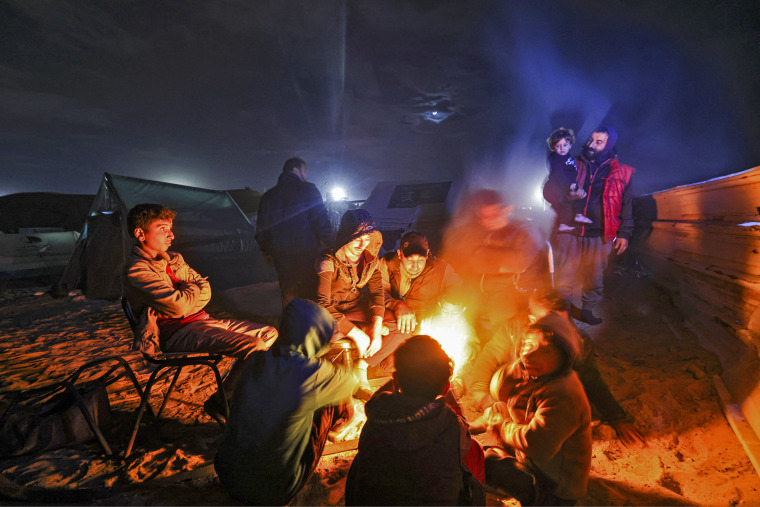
(650, 359)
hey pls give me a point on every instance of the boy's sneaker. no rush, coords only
(565, 228)
(582, 219)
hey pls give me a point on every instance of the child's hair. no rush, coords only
(142, 215)
(550, 299)
(422, 367)
(558, 135)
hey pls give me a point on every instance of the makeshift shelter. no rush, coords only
(212, 234)
(50, 211)
(35, 254)
(402, 206)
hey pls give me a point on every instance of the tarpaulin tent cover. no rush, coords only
(32, 254)
(211, 232)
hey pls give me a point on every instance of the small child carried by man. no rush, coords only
(563, 190)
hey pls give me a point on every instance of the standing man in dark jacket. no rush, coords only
(285, 404)
(608, 205)
(292, 228)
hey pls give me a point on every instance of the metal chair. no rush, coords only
(165, 364)
(49, 398)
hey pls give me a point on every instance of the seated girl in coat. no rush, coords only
(540, 429)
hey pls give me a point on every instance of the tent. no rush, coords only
(402, 206)
(212, 234)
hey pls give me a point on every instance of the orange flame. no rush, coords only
(452, 331)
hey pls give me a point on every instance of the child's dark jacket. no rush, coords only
(409, 453)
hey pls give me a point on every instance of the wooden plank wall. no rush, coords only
(696, 242)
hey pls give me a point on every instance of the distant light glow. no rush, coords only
(540, 193)
(436, 115)
(338, 194)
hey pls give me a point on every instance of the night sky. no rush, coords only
(219, 93)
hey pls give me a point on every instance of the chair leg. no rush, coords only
(227, 371)
(144, 403)
(220, 390)
(169, 392)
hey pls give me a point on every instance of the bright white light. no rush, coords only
(338, 194)
(435, 113)
(540, 193)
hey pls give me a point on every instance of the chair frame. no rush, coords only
(69, 384)
(165, 363)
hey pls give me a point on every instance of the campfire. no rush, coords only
(450, 328)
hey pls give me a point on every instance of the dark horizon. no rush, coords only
(218, 95)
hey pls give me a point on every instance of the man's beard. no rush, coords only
(590, 153)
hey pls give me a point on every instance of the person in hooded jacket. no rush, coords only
(608, 204)
(351, 288)
(497, 353)
(538, 445)
(292, 227)
(415, 448)
(286, 402)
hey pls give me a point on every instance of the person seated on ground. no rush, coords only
(414, 281)
(167, 297)
(497, 353)
(350, 287)
(538, 446)
(414, 449)
(489, 249)
(287, 401)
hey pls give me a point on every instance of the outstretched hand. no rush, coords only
(360, 339)
(629, 434)
(376, 336)
(405, 318)
(375, 344)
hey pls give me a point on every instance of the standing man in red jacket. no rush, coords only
(608, 203)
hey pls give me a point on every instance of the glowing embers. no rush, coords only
(450, 328)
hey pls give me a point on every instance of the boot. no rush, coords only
(588, 317)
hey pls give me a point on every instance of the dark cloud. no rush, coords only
(219, 94)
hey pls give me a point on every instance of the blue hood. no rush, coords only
(609, 151)
(306, 329)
